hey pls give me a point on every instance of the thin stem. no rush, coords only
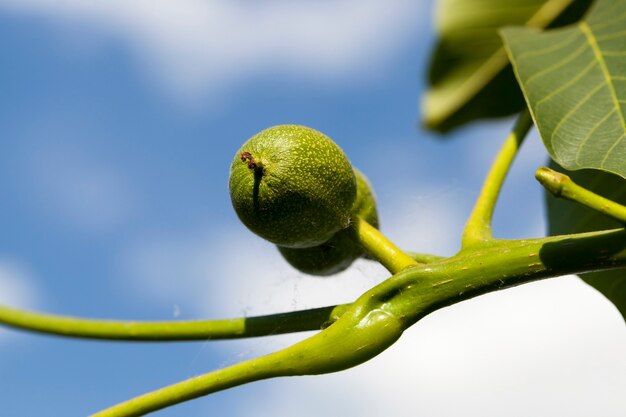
(221, 379)
(380, 247)
(291, 322)
(478, 226)
(562, 186)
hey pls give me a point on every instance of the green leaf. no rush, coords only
(566, 217)
(469, 76)
(574, 80)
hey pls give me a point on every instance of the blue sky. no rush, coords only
(118, 122)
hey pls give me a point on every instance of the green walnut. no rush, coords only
(293, 186)
(343, 248)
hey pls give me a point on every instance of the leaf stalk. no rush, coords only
(478, 226)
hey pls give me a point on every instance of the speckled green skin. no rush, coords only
(301, 191)
(343, 248)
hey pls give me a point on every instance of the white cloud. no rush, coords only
(16, 285)
(203, 47)
(220, 275)
(430, 223)
(77, 188)
(543, 349)
(16, 290)
(531, 156)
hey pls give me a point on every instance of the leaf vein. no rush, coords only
(607, 22)
(605, 71)
(554, 47)
(557, 65)
(590, 133)
(575, 108)
(610, 35)
(610, 150)
(569, 83)
(614, 53)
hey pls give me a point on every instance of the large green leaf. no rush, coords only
(574, 80)
(567, 217)
(469, 76)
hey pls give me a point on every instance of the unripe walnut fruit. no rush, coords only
(343, 248)
(293, 186)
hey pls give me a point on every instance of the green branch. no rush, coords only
(421, 290)
(378, 317)
(380, 247)
(562, 186)
(291, 322)
(478, 226)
